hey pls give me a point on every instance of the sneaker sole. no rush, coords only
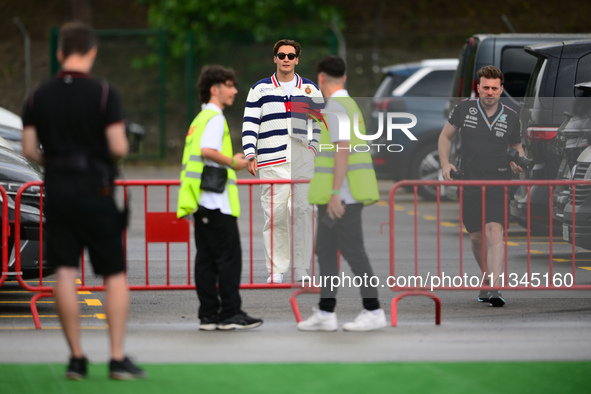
(317, 329)
(208, 327)
(127, 376)
(230, 327)
(355, 329)
(75, 376)
(483, 299)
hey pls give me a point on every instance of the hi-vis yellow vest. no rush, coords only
(193, 167)
(360, 172)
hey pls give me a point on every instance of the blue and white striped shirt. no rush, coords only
(273, 120)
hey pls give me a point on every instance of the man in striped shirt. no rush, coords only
(280, 134)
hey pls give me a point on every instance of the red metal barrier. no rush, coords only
(160, 227)
(515, 279)
(4, 274)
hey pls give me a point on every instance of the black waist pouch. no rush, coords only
(213, 179)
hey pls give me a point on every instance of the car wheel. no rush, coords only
(426, 167)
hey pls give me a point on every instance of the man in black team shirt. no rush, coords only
(79, 122)
(488, 128)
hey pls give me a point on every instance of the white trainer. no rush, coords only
(299, 274)
(276, 278)
(319, 321)
(367, 321)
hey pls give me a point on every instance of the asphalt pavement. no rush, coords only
(163, 326)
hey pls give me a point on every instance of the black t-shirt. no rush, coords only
(485, 139)
(70, 114)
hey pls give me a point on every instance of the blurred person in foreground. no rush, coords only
(344, 181)
(488, 128)
(79, 123)
(279, 110)
(209, 196)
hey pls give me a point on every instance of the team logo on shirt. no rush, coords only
(503, 118)
(473, 111)
(308, 90)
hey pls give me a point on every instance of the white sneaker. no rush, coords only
(277, 278)
(319, 321)
(299, 273)
(367, 321)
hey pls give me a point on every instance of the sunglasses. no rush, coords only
(282, 55)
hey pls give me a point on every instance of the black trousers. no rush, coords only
(347, 236)
(218, 264)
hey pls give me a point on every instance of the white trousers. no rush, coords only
(278, 246)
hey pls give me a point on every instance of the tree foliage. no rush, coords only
(215, 21)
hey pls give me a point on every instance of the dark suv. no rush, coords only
(549, 97)
(420, 89)
(504, 51)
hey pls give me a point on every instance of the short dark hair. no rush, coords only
(296, 45)
(490, 72)
(213, 75)
(76, 37)
(333, 66)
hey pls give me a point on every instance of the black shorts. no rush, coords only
(93, 222)
(472, 207)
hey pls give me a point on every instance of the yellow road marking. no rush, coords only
(53, 302)
(30, 281)
(533, 237)
(100, 316)
(93, 302)
(533, 251)
(449, 224)
(586, 268)
(538, 243)
(429, 217)
(84, 292)
(382, 203)
(30, 316)
(509, 243)
(399, 208)
(569, 260)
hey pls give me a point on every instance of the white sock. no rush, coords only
(325, 313)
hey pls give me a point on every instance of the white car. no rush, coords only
(11, 130)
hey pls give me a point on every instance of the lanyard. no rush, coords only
(490, 125)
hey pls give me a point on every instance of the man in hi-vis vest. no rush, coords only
(214, 205)
(344, 181)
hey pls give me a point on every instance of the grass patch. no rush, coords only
(365, 378)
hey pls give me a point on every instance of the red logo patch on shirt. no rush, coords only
(308, 90)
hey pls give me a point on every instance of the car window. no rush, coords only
(435, 84)
(390, 82)
(517, 66)
(584, 69)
